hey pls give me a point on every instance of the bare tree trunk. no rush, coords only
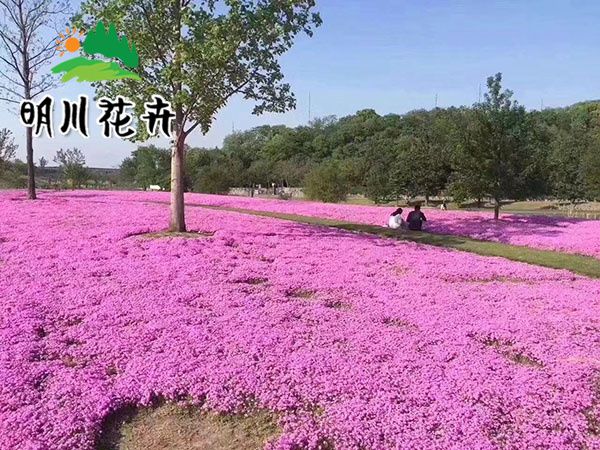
(496, 209)
(30, 166)
(29, 132)
(23, 29)
(177, 223)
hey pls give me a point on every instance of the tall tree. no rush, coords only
(327, 183)
(27, 43)
(198, 54)
(425, 162)
(574, 140)
(8, 148)
(493, 158)
(566, 161)
(592, 171)
(383, 164)
(148, 165)
(72, 164)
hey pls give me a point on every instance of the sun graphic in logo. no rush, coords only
(69, 42)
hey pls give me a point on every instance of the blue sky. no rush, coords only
(396, 55)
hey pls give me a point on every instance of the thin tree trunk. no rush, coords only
(496, 209)
(29, 131)
(177, 223)
(31, 194)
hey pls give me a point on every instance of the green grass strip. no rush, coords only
(583, 265)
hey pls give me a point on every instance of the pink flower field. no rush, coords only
(543, 232)
(356, 341)
(569, 235)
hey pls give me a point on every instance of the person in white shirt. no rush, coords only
(395, 220)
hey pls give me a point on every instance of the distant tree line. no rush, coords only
(69, 172)
(494, 150)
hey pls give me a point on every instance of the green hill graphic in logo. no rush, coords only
(98, 42)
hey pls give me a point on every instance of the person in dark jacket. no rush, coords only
(415, 219)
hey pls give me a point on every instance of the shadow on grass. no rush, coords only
(172, 234)
(583, 265)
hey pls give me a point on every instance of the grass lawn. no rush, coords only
(176, 427)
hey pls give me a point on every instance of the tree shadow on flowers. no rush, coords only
(153, 235)
(584, 265)
(509, 226)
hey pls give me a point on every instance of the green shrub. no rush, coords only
(327, 183)
(212, 180)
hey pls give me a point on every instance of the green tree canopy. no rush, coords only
(493, 157)
(420, 153)
(327, 183)
(8, 148)
(148, 165)
(198, 54)
(72, 163)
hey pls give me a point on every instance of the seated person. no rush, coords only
(395, 221)
(415, 219)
